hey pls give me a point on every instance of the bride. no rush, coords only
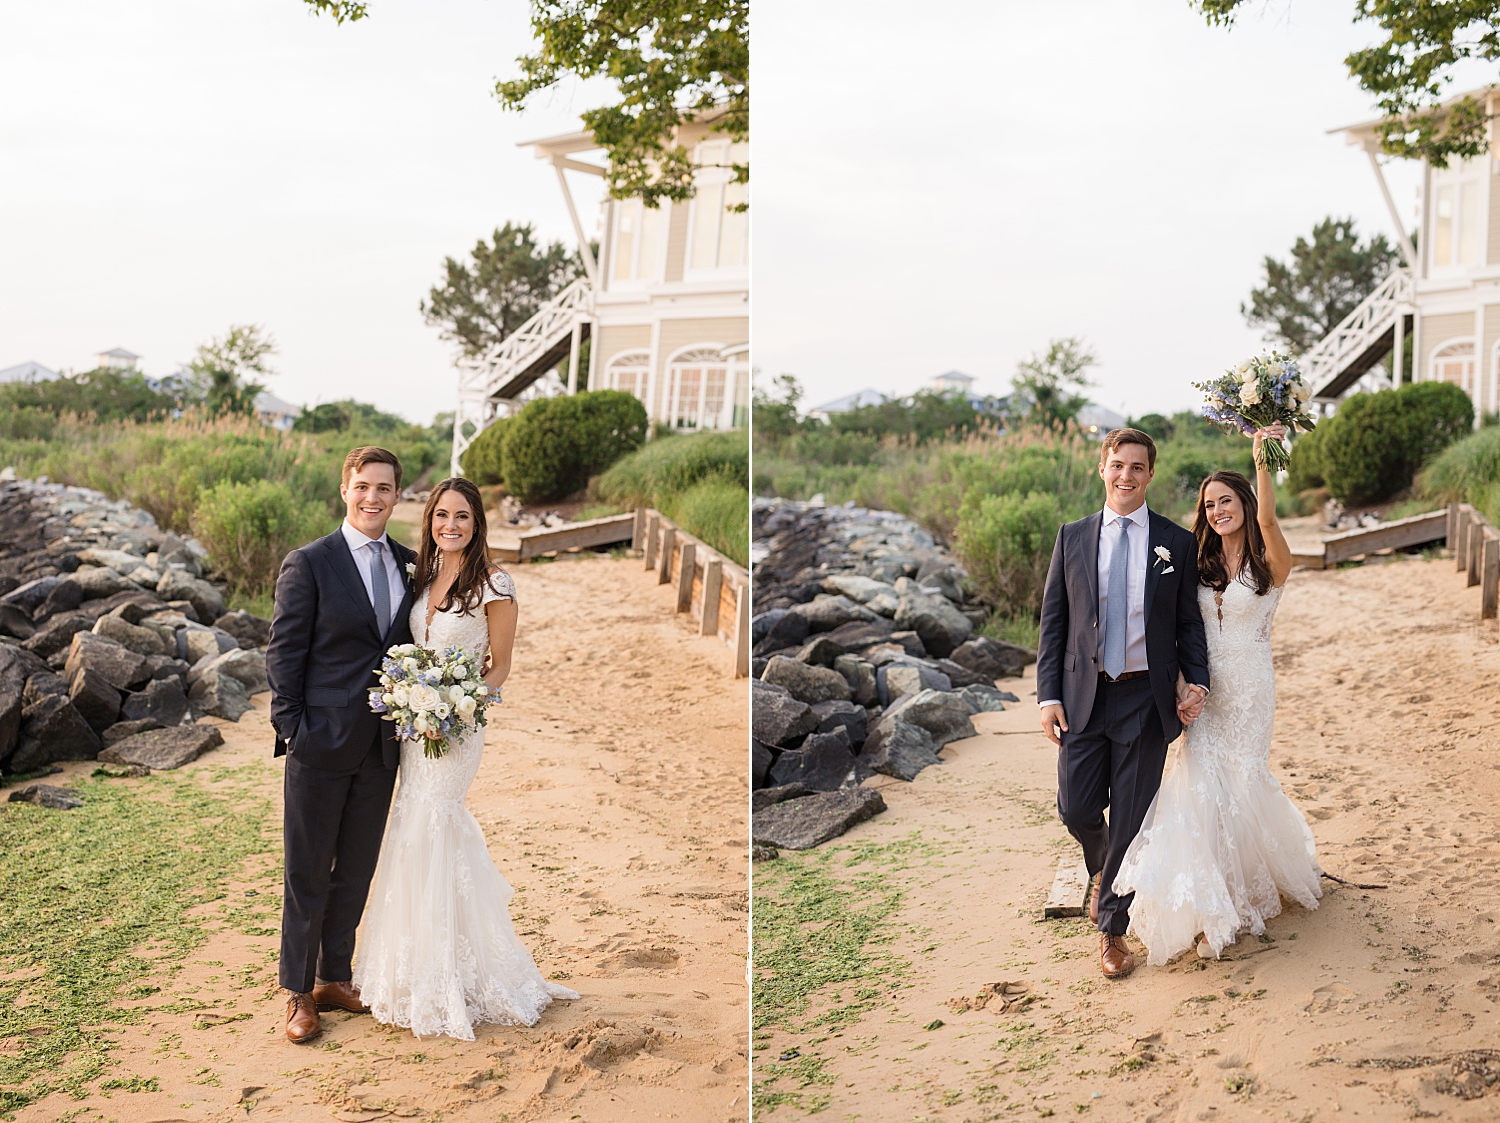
(1221, 843)
(437, 952)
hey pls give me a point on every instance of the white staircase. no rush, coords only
(1347, 357)
(495, 383)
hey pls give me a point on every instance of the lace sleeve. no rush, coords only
(498, 587)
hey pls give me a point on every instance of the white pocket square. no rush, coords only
(1169, 569)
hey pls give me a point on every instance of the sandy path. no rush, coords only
(1386, 735)
(613, 796)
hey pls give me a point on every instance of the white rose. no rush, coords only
(411, 665)
(1275, 368)
(419, 724)
(466, 707)
(1242, 368)
(1302, 391)
(388, 698)
(402, 694)
(456, 693)
(1249, 394)
(423, 698)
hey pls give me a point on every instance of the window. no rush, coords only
(628, 371)
(637, 240)
(720, 231)
(1454, 362)
(699, 385)
(1455, 214)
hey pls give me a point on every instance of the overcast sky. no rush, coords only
(171, 167)
(948, 186)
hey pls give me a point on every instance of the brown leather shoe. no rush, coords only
(339, 996)
(1115, 957)
(1094, 897)
(302, 1023)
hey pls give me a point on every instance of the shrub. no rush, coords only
(555, 444)
(1306, 470)
(717, 511)
(1467, 471)
(483, 459)
(249, 528)
(1374, 446)
(673, 464)
(1005, 542)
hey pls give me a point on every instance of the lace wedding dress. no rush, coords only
(1221, 843)
(437, 952)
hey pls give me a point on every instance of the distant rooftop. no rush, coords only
(27, 372)
(850, 401)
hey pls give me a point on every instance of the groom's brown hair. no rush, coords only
(1117, 437)
(370, 454)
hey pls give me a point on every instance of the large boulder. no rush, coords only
(248, 666)
(762, 624)
(117, 560)
(826, 613)
(769, 797)
(47, 795)
(943, 578)
(820, 650)
(760, 762)
(775, 716)
(860, 676)
(941, 626)
(903, 677)
(208, 602)
(983, 699)
(218, 694)
(161, 701)
(858, 635)
(98, 583)
(800, 824)
(121, 667)
(824, 763)
(122, 729)
(52, 730)
(199, 643)
(143, 641)
(805, 682)
(95, 698)
(860, 589)
(43, 683)
(788, 630)
(58, 633)
(29, 597)
(16, 621)
(17, 667)
(899, 749)
(249, 629)
(163, 749)
(848, 716)
(64, 597)
(942, 714)
(993, 658)
(166, 667)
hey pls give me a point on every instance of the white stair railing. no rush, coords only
(1375, 315)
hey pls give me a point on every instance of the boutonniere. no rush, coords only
(411, 569)
(1164, 560)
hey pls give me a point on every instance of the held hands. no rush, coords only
(1052, 718)
(1190, 700)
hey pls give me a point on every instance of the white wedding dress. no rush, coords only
(1221, 843)
(437, 952)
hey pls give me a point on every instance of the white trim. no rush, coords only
(1471, 377)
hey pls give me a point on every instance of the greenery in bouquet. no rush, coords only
(1257, 392)
(434, 697)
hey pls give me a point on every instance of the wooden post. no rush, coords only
(638, 531)
(1489, 598)
(713, 580)
(1461, 546)
(1475, 547)
(685, 576)
(1451, 540)
(652, 522)
(668, 545)
(742, 634)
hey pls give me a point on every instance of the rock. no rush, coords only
(769, 797)
(143, 641)
(249, 629)
(993, 658)
(899, 749)
(185, 609)
(143, 599)
(860, 634)
(29, 597)
(42, 684)
(788, 630)
(762, 624)
(65, 597)
(943, 578)
(166, 667)
(52, 730)
(941, 626)
(17, 667)
(47, 795)
(775, 716)
(162, 702)
(248, 666)
(800, 824)
(122, 729)
(824, 763)
(144, 576)
(58, 633)
(860, 676)
(95, 698)
(848, 716)
(218, 694)
(162, 749)
(207, 602)
(911, 643)
(901, 677)
(117, 560)
(859, 589)
(960, 676)
(16, 621)
(982, 699)
(805, 682)
(827, 613)
(889, 569)
(821, 651)
(121, 771)
(98, 583)
(942, 714)
(760, 762)
(886, 604)
(121, 667)
(182, 560)
(202, 643)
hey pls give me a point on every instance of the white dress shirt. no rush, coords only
(359, 546)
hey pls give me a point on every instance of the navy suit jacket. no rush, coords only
(324, 653)
(1068, 655)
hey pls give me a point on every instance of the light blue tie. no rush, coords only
(382, 586)
(1117, 603)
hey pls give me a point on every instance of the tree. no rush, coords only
(227, 368)
(481, 301)
(1048, 385)
(1410, 70)
(1305, 297)
(106, 394)
(774, 417)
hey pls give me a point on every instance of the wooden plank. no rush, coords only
(685, 577)
(1395, 535)
(1475, 550)
(1070, 889)
(638, 530)
(653, 522)
(742, 634)
(1307, 561)
(1489, 598)
(1452, 539)
(576, 536)
(1461, 546)
(668, 548)
(713, 578)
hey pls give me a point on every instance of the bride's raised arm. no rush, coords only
(1278, 553)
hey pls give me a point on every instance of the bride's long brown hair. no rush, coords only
(1213, 570)
(474, 568)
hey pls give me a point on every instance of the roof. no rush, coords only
(565, 144)
(27, 372)
(1365, 130)
(865, 397)
(118, 353)
(266, 402)
(956, 376)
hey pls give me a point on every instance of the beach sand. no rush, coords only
(1387, 737)
(613, 796)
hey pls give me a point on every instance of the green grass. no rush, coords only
(100, 908)
(700, 481)
(1021, 629)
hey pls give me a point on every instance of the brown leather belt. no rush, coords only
(1125, 675)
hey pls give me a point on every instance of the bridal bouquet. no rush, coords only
(434, 696)
(1257, 392)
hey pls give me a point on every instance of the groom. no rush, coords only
(1119, 620)
(341, 602)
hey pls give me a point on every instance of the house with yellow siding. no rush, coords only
(665, 307)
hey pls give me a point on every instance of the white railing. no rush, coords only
(481, 381)
(1356, 333)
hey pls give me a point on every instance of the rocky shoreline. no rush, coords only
(865, 661)
(114, 640)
